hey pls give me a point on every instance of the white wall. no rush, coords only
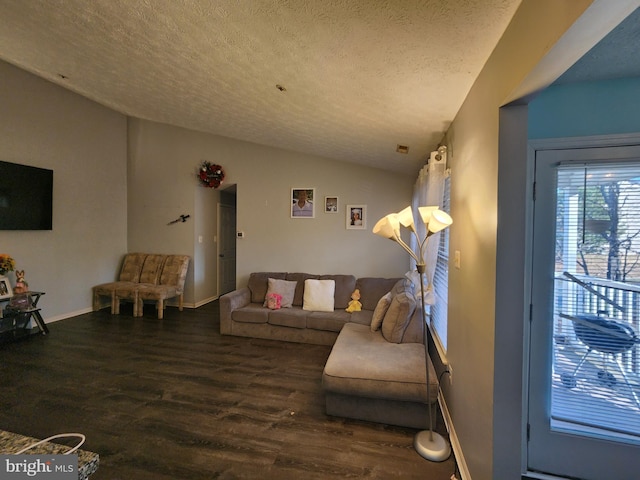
(488, 203)
(163, 162)
(85, 145)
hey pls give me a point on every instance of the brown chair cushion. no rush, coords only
(151, 268)
(132, 267)
(174, 271)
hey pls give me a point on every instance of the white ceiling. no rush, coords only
(361, 76)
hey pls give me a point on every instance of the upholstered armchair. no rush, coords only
(150, 274)
(171, 284)
(129, 275)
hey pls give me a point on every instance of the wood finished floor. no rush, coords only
(173, 399)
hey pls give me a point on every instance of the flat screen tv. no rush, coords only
(26, 197)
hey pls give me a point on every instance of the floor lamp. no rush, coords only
(429, 444)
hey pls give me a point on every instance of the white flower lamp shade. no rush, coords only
(388, 227)
(439, 221)
(425, 213)
(405, 217)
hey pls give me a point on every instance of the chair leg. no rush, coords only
(136, 308)
(160, 309)
(180, 302)
(115, 304)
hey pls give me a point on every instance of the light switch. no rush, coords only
(200, 239)
(456, 259)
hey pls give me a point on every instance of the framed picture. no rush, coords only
(5, 288)
(302, 205)
(330, 204)
(356, 217)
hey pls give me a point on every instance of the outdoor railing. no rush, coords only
(582, 294)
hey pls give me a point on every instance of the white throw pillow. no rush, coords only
(285, 288)
(318, 295)
(380, 311)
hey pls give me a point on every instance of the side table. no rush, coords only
(15, 321)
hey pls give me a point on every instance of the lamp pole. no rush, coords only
(429, 444)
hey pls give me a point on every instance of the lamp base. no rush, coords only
(432, 446)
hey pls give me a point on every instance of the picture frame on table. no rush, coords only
(356, 217)
(302, 203)
(330, 204)
(5, 288)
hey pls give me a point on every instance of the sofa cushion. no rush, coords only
(363, 363)
(318, 295)
(380, 311)
(372, 289)
(363, 317)
(331, 321)
(397, 317)
(300, 278)
(252, 313)
(288, 317)
(345, 285)
(259, 282)
(284, 288)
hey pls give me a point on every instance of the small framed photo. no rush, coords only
(330, 204)
(356, 217)
(302, 205)
(5, 288)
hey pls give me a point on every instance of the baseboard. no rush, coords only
(453, 439)
(89, 309)
(68, 315)
(205, 301)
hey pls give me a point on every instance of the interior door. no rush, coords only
(227, 248)
(584, 413)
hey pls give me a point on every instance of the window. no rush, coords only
(583, 388)
(441, 277)
(433, 188)
(597, 299)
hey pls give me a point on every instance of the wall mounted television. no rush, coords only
(26, 197)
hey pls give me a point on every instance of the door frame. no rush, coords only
(535, 146)
(220, 206)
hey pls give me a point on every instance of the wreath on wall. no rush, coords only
(211, 175)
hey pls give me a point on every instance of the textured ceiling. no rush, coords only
(361, 76)
(616, 56)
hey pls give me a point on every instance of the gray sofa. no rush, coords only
(374, 372)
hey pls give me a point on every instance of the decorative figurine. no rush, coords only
(354, 304)
(21, 284)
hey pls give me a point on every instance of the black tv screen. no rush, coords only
(26, 197)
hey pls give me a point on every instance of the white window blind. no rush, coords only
(596, 364)
(441, 277)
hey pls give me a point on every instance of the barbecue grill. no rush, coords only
(607, 336)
